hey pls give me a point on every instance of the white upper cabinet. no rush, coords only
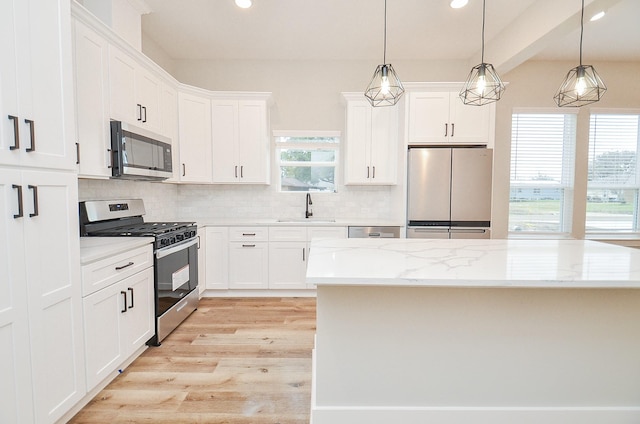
(441, 117)
(91, 56)
(195, 138)
(36, 91)
(372, 143)
(134, 91)
(240, 141)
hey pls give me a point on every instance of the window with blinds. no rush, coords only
(542, 170)
(613, 182)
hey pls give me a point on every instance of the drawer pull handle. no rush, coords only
(248, 234)
(248, 245)
(118, 268)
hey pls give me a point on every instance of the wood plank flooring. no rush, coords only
(233, 361)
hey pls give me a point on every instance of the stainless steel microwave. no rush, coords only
(139, 154)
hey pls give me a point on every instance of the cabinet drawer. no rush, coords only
(107, 271)
(287, 234)
(248, 234)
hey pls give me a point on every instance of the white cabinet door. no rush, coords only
(472, 124)
(240, 141)
(287, 265)
(169, 112)
(384, 145)
(9, 106)
(217, 258)
(15, 368)
(103, 333)
(91, 55)
(224, 138)
(122, 87)
(253, 142)
(195, 138)
(148, 94)
(37, 87)
(372, 144)
(358, 142)
(429, 117)
(138, 320)
(248, 265)
(52, 259)
(134, 92)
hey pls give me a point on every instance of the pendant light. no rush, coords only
(483, 83)
(385, 88)
(582, 85)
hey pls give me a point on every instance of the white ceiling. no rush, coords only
(516, 30)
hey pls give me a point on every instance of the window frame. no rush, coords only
(567, 183)
(308, 146)
(635, 231)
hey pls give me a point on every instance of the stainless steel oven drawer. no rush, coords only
(168, 321)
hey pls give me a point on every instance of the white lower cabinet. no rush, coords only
(287, 257)
(248, 265)
(118, 319)
(261, 257)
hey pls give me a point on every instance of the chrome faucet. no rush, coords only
(308, 212)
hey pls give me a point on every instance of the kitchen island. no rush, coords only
(475, 331)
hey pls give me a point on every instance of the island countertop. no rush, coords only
(473, 263)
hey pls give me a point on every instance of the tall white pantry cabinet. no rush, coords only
(41, 338)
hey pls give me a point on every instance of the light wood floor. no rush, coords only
(234, 361)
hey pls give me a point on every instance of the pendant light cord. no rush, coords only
(483, 13)
(384, 54)
(581, 30)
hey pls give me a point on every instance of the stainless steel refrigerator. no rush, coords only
(449, 192)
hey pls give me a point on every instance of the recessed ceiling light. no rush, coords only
(598, 15)
(244, 4)
(457, 4)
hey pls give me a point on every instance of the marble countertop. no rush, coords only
(473, 263)
(96, 248)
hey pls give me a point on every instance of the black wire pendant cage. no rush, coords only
(385, 88)
(581, 86)
(483, 86)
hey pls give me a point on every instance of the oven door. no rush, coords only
(176, 274)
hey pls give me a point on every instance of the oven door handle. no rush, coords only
(161, 253)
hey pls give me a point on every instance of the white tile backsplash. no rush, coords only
(160, 199)
(165, 202)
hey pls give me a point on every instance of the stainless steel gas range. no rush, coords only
(175, 255)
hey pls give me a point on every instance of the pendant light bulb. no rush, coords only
(581, 86)
(481, 85)
(384, 82)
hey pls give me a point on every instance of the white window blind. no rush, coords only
(542, 170)
(613, 182)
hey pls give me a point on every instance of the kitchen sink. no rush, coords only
(314, 220)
